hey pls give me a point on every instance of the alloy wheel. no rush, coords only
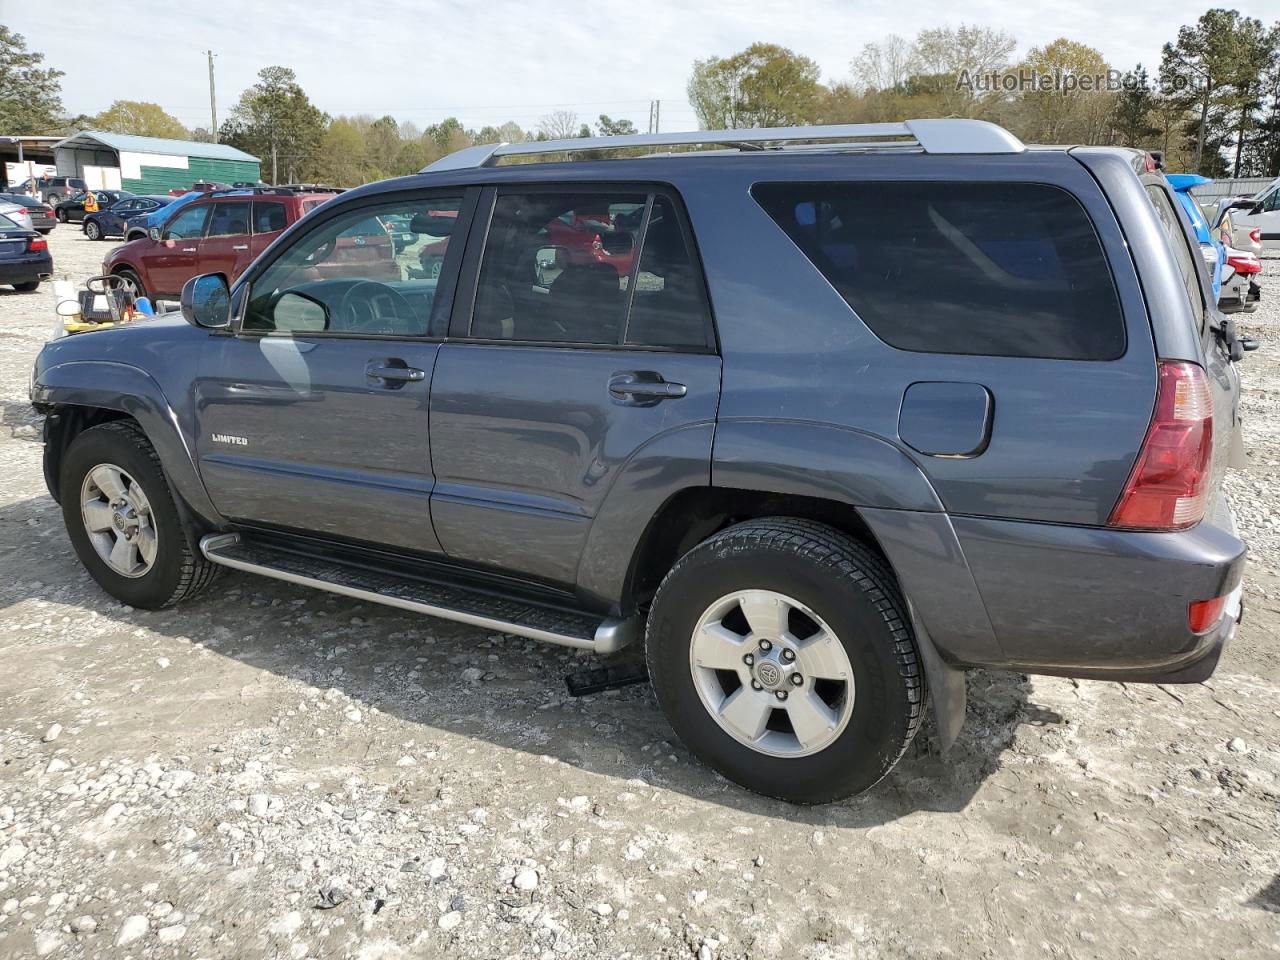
(771, 673)
(119, 521)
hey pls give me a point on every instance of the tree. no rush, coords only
(1255, 46)
(946, 56)
(560, 125)
(382, 144)
(343, 159)
(1203, 61)
(30, 95)
(615, 128)
(1264, 152)
(763, 86)
(1131, 114)
(448, 135)
(276, 121)
(1076, 107)
(140, 119)
(884, 65)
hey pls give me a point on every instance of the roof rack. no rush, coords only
(929, 136)
(287, 191)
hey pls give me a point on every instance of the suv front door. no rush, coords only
(582, 347)
(172, 260)
(312, 411)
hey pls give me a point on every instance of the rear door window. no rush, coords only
(229, 219)
(997, 269)
(268, 216)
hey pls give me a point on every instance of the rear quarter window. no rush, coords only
(997, 269)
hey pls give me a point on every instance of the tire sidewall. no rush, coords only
(872, 740)
(97, 446)
(92, 230)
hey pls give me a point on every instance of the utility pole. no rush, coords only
(213, 101)
(655, 116)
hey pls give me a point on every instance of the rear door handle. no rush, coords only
(643, 387)
(382, 371)
(241, 246)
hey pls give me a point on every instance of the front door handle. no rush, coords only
(188, 249)
(241, 246)
(643, 387)
(383, 371)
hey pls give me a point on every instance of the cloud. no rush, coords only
(497, 60)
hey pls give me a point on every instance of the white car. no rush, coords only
(17, 214)
(1263, 215)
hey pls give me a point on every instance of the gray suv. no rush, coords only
(822, 418)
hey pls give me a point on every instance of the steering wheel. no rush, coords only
(371, 307)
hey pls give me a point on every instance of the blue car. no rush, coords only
(1211, 248)
(116, 219)
(139, 226)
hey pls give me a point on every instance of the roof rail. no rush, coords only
(929, 136)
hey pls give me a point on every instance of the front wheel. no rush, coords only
(123, 522)
(132, 283)
(92, 230)
(781, 652)
(62, 216)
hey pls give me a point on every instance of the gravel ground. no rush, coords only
(274, 772)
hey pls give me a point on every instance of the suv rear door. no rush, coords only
(570, 358)
(225, 247)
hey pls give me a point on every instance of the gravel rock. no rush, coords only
(1236, 745)
(526, 879)
(52, 734)
(450, 920)
(133, 928)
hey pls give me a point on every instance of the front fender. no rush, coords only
(111, 385)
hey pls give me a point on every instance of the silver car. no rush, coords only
(17, 214)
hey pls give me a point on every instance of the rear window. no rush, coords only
(997, 269)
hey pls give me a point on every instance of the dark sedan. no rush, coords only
(113, 221)
(24, 256)
(72, 208)
(41, 214)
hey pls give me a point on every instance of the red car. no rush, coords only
(222, 233)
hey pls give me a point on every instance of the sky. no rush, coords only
(490, 61)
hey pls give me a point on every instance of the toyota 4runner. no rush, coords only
(822, 419)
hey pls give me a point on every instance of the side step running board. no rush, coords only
(448, 601)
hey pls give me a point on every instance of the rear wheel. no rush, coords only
(62, 216)
(780, 652)
(92, 230)
(122, 520)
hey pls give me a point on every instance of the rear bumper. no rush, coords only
(26, 269)
(1105, 604)
(1082, 602)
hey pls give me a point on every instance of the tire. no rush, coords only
(62, 216)
(52, 200)
(176, 571)
(28, 287)
(827, 581)
(93, 231)
(433, 267)
(133, 278)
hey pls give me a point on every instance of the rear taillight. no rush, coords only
(1245, 263)
(36, 244)
(1169, 485)
(1256, 235)
(22, 211)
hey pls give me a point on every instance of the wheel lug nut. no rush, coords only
(748, 659)
(781, 694)
(796, 680)
(755, 685)
(766, 646)
(788, 655)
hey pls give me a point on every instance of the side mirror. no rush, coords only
(206, 301)
(549, 262)
(154, 233)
